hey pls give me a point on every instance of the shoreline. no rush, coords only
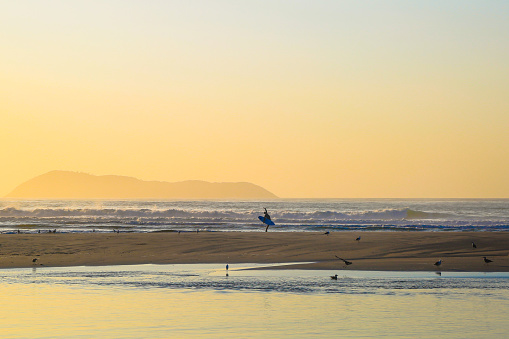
(375, 251)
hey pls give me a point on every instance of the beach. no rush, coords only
(376, 251)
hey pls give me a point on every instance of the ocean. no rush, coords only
(290, 215)
(201, 301)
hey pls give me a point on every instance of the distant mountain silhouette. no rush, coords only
(74, 185)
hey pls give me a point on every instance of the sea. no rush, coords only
(289, 215)
(251, 300)
(206, 301)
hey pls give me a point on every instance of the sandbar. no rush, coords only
(377, 251)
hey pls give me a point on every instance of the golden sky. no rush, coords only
(315, 99)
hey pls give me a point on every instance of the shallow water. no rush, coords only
(161, 301)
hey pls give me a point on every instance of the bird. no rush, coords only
(438, 273)
(474, 245)
(34, 260)
(227, 267)
(334, 277)
(327, 233)
(358, 239)
(486, 260)
(345, 261)
(438, 263)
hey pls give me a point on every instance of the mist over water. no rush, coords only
(289, 215)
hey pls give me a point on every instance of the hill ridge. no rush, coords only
(59, 184)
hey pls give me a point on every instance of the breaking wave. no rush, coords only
(140, 216)
(388, 214)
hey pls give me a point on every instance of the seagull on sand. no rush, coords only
(334, 277)
(358, 239)
(34, 260)
(486, 260)
(438, 263)
(345, 261)
(327, 233)
(474, 245)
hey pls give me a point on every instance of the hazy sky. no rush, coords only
(305, 98)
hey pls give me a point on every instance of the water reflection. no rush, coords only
(160, 301)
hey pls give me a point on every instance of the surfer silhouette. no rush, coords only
(266, 216)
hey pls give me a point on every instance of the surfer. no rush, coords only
(266, 216)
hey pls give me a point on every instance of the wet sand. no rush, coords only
(391, 251)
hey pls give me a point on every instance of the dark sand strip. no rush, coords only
(396, 251)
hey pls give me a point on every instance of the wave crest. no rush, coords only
(386, 214)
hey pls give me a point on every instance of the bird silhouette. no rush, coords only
(474, 245)
(358, 239)
(345, 261)
(486, 260)
(34, 260)
(334, 277)
(327, 233)
(438, 263)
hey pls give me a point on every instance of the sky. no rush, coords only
(308, 99)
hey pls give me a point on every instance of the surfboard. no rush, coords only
(266, 221)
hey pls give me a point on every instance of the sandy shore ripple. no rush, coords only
(395, 251)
